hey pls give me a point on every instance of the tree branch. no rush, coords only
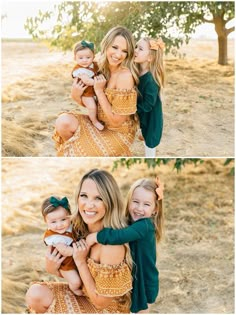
(230, 30)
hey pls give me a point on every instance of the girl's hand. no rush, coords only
(77, 90)
(99, 83)
(64, 250)
(53, 261)
(80, 252)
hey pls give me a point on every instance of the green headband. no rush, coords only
(56, 202)
(87, 45)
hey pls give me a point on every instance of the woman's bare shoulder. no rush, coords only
(112, 254)
(125, 79)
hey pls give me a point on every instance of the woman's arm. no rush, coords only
(124, 81)
(77, 90)
(108, 255)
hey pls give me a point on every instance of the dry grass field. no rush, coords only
(198, 104)
(195, 259)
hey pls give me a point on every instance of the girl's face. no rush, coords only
(84, 57)
(58, 220)
(142, 204)
(142, 52)
(117, 52)
(91, 206)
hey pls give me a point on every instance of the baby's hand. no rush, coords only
(64, 250)
(86, 80)
(91, 239)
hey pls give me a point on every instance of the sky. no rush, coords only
(17, 12)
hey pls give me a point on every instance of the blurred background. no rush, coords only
(195, 258)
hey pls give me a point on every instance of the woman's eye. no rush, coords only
(98, 198)
(83, 195)
(147, 204)
(115, 47)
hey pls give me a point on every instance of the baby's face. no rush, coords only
(84, 57)
(58, 220)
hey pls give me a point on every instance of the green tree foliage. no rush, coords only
(174, 21)
(154, 162)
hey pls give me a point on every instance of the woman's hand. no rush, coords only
(99, 83)
(53, 261)
(80, 252)
(77, 90)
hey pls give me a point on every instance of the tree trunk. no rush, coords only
(222, 39)
(222, 50)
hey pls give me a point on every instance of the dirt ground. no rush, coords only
(198, 103)
(195, 259)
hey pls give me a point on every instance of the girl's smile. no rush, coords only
(142, 204)
(91, 206)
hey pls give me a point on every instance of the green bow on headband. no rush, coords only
(56, 202)
(87, 44)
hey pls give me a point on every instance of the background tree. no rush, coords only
(153, 163)
(174, 21)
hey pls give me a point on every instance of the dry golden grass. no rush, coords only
(195, 259)
(198, 104)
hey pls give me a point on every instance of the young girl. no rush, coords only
(56, 213)
(84, 70)
(144, 210)
(149, 57)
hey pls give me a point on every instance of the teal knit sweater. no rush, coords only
(141, 238)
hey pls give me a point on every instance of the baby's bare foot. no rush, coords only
(98, 125)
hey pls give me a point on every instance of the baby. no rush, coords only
(85, 70)
(56, 213)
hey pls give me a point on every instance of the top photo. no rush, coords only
(117, 79)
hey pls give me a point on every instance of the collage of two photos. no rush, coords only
(117, 157)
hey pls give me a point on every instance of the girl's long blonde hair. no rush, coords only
(129, 60)
(158, 218)
(111, 196)
(157, 68)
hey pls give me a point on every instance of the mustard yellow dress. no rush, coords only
(110, 280)
(111, 141)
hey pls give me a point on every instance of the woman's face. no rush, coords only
(117, 52)
(91, 206)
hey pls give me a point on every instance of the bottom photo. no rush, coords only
(117, 235)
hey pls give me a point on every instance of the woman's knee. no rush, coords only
(66, 123)
(39, 297)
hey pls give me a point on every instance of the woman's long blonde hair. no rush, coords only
(158, 218)
(129, 60)
(157, 68)
(111, 196)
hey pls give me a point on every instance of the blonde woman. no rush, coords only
(117, 99)
(106, 273)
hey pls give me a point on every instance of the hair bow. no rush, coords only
(155, 44)
(87, 44)
(56, 202)
(159, 189)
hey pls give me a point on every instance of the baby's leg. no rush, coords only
(74, 281)
(91, 105)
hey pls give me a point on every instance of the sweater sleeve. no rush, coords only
(147, 100)
(134, 232)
